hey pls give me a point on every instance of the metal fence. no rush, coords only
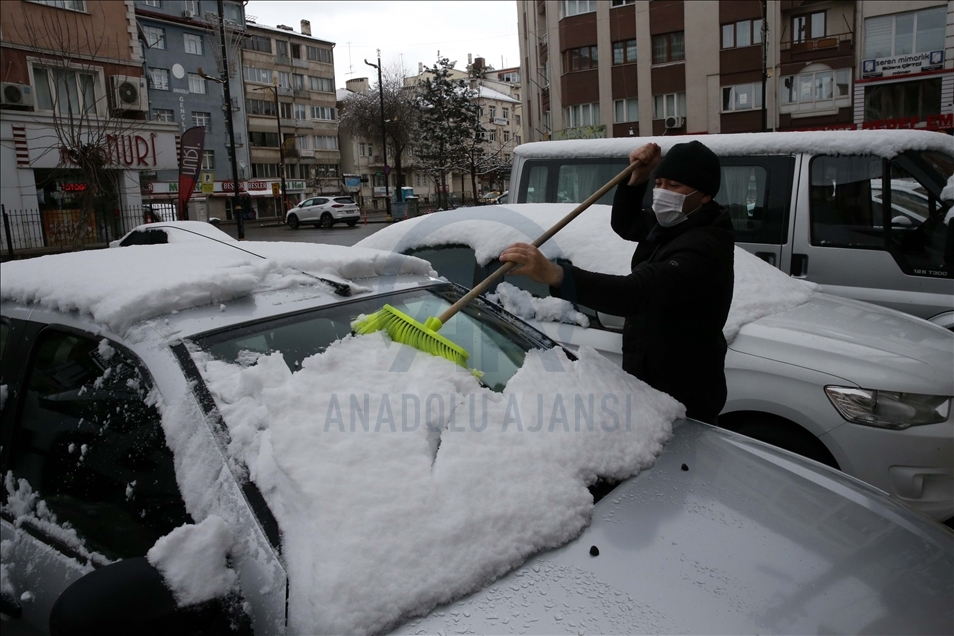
(35, 231)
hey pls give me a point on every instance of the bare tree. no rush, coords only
(86, 130)
(361, 117)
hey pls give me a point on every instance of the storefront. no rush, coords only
(261, 196)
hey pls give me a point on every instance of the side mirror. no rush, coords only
(613, 323)
(130, 597)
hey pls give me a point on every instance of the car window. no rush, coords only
(496, 345)
(89, 440)
(145, 237)
(319, 201)
(344, 200)
(456, 263)
(307, 203)
(4, 335)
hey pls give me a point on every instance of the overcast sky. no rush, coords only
(411, 32)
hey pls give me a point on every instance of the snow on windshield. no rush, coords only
(119, 287)
(397, 491)
(522, 303)
(589, 243)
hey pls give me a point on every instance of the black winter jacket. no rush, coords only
(675, 301)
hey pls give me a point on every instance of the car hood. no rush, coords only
(871, 346)
(727, 535)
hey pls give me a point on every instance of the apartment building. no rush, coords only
(292, 114)
(638, 68)
(73, 70)
(182, 50)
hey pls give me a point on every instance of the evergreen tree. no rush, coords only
(448, 124)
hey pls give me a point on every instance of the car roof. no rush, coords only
(884, 143)
(118, 288)
(182, 231)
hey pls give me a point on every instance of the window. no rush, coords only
(326, 170)
(904, 33)
(506, 136)
(65, 90)
(669, 47)
(627, 110)
(265, 170)
(582, 115)
(155, 37)
(671, 105)
(73, 5)
(255, 74)
(284, 79)
(580, 59)
(492, 112)
(193, 43)
(742, 33)
(505, 112)
(810, 91)
(366, 150)
(324, 84)
(92, 444)
(316, 54)
(159, 79)
(300, 112)
(624, 52)
(569, 8)
(263, 139)
(148, 3)
(197, 84)
(258, 43)
(285, 108)
(516, 119)
(492, 134)
(201, 119)
(323, 112)
(808, 26)
(905, 99)
(298, 81)
(516, 140)
(281, 48)
(621, 3)
(260, 107)
(233, 12)
(296, 51)
(193, 7)
(511, 77)
(163, 114)
(326, 142)
(741, 97)
(208, 160)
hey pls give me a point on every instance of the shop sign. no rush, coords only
(931, 122)
(294, 185)
(903, 64)
(131, 150)
(380, 191)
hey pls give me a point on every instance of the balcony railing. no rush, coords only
(815, 44)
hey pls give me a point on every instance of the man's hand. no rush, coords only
(649, 155)
(532, 263)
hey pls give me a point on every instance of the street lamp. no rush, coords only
(384, 138)
(281, 144)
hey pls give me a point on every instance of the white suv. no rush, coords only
(324, 212)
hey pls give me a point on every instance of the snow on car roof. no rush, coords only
(119, 287)
(884, 143)
(589, 243)
(191, 231)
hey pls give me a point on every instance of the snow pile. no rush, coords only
(398, 491)
(589, 243)
(193, 561)
(522, 303)
(120, 287)
(947, 192)
(882, 143)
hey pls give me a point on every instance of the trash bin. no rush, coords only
(412, 207)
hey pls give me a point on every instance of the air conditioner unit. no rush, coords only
(674, 122)
(16, 95)
(129, 93)
(188, 14)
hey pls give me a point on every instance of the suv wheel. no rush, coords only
(327, 220)
(293, 221)
(352, 222)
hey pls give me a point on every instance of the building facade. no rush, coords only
(72, 79)
(297, 129)
(638, 68)
(182, 49)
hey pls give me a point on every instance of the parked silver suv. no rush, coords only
(324, 212)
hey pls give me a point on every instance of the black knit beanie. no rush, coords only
(692, 164)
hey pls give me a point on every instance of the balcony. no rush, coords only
(817, 48)
(299, 63)
(283, 59)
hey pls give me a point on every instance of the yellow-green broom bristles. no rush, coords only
(404, 329)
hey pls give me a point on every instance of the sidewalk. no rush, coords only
(375, 216)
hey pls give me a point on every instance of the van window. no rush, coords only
(535, 186)
(842, 211)
(576, 182)
(744, 193)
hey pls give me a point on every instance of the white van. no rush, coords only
(809, 203)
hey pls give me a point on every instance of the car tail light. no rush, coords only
(337, 205)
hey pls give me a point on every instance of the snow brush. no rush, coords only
(424, 337)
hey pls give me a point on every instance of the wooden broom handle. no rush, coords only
(543, 238)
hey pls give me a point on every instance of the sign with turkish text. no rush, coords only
(191, 145)
(903, 64)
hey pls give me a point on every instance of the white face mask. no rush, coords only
(668, 206)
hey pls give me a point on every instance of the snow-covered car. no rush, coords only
(171, 232)
(203, 447)
(324, 212)
(855, 386)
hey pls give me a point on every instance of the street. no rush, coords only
(336, 235)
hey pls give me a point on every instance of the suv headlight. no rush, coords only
(888, 409)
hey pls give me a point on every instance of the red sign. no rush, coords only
(73, 187)
(191, 145)
(931, 122)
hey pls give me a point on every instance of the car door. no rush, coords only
(314, 210)
(88, 476)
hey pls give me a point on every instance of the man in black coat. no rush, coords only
(677, 296)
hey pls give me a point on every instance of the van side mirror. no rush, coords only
(130, 597)
(613, 323)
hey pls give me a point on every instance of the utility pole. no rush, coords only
(384, 138)
(240, 221)
(281, 148)
(764, 64)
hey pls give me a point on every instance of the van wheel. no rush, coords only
(293, 221)
(780, 432)
(326, 220)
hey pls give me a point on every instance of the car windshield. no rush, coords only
(497, 345)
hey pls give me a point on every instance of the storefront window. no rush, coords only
(903, 99)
